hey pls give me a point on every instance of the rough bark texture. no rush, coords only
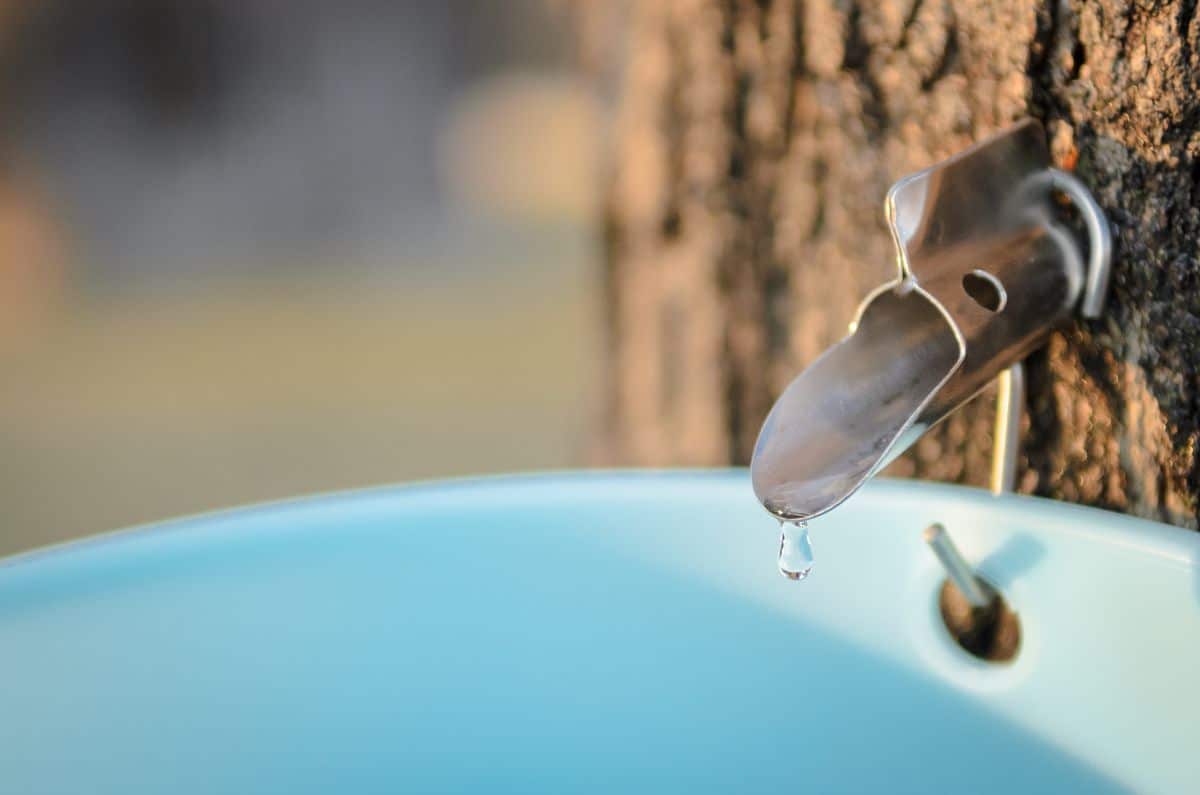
(755, 143)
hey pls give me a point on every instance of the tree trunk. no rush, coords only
(754, 146)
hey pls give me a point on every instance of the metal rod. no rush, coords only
(1006, 438)
(956, 568)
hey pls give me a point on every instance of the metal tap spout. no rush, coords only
(986, 269)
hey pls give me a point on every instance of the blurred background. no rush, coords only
(257, 248)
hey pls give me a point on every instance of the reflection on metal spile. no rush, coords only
(986, 271)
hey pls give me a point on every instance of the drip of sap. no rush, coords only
(795, 550)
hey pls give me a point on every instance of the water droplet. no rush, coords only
(795, 550)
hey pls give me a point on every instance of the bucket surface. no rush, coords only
(598, 632)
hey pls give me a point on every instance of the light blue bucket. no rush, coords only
(598, 632)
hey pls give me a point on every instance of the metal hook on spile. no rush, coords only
(1010, 384)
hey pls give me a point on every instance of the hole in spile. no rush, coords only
(985, 290)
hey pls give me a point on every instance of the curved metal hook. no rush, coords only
(1100, 244)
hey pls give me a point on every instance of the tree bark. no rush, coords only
(754, 145)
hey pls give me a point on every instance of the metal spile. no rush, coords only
(985, 271)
